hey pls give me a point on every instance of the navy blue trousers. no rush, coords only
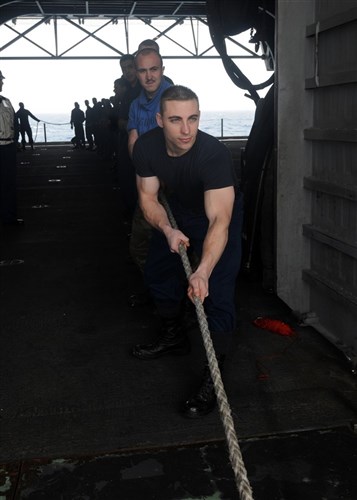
(167, 283)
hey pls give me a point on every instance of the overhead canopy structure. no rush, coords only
(193, 29)
(182, 23)
(106, 9)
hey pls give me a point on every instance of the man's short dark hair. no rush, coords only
(177, 93)
(149, 43)
(146, 52)
(121, 82)
(126, 57)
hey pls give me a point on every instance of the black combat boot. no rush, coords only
(204, 401)
(172, 340)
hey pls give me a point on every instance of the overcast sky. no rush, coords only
(54, 85)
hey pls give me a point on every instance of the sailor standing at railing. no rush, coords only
(8, 140)
(77, 120)
(22, 115)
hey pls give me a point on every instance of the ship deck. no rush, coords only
(82, 419)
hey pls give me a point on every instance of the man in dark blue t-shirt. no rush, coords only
(196, 173)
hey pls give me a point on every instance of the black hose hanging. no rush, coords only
(228, 17)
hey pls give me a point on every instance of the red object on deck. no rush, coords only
(274, 325)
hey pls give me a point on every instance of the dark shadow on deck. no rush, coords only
(69, 387)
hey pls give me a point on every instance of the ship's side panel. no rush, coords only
(294, 114)
(328, 178)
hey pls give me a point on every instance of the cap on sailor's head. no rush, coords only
(1, 75)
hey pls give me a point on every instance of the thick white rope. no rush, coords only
(235, 455)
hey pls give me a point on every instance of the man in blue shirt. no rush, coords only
(142, 118)
(142, 114)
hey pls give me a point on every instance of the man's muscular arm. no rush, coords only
(155, 213)
(218, 207)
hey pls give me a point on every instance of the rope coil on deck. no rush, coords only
(235, 455)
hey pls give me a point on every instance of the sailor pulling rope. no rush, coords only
(197, 174)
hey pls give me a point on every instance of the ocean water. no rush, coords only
(56, 127)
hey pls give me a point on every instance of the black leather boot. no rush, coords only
(204, 401)
(172, 340)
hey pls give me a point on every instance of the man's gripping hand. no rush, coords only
(174, 238)
(198, 286)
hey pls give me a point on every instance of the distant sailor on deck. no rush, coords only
(77, 120)
(23, 116)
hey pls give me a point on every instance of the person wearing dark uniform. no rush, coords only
(77, 119)
(89, 125)
(23, 116)
(196, 173)
(125, 169)
(8, 139)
